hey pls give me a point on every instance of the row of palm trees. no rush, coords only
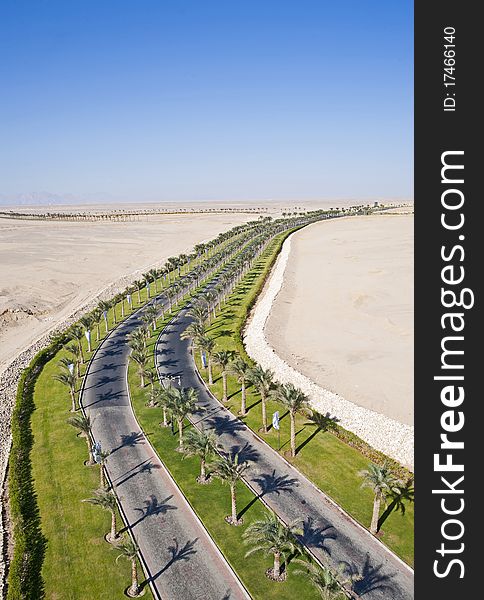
(380, 478)
(235, 251)
(268, 535)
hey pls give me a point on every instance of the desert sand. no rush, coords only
(344, 314)
(49, 269)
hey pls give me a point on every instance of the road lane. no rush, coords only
(182, 560)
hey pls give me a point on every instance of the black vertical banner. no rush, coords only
(448, 325)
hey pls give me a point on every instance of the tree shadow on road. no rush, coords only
(269, 483)
(145, 467)
(315, 535)
(226, 424)
(110, 396)
(130, 440)
(153, 506)
(368, 578)
(177, 554)
(246, 453)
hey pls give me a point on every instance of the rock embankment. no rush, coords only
(382, 433)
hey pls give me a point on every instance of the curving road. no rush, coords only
(182, 561)
(328, 532)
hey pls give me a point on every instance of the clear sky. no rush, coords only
(155, 100)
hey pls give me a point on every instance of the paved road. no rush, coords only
(328, 532)
(182, 560)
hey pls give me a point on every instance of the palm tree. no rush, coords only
(321, 578)
(240, 369)
(194, 331)
(77, 333)
(83, 424)
(87, 322)
(201, 444)
(147, 279)
(151, 314)
(140, 357)
(230, 471)
(198, 312)
(137, 285)
(107, 501)
(223, 359)
(129, 551)
(137, 339)
(76, 351)
(69, 380)
(207, 345)
(383, 483)
(103, 456)
(163, 399)
(151, 377)
(104, 307)
(402, 494)
(153, 273)
(270, 536)
(263, 381)
(96, 319)
(170, 294)
(122, 298)
(114, 302)
(294, 400)
(181, 402)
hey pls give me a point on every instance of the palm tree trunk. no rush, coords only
(134, 578)
(114, 533)
(264, 413)
(276, 571)
(122, 308)
(234, 503)
(139, 295)
(165, 422)
(243, 407)
(89, 342)
(73, 400)
(376, 513)
(180, 434)
(98, 332)
(210, 376)
(224, 380)
(89, 448)
(114, 314)
(80, 351)
(293, 434)
(203, 474)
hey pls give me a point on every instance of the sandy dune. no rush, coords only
(48, 269)
(344, 315)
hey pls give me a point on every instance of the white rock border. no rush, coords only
(382, 433)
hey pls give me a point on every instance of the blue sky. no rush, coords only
(194, 100)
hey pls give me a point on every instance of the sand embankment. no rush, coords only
(336, 318)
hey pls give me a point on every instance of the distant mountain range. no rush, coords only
(49, 198)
